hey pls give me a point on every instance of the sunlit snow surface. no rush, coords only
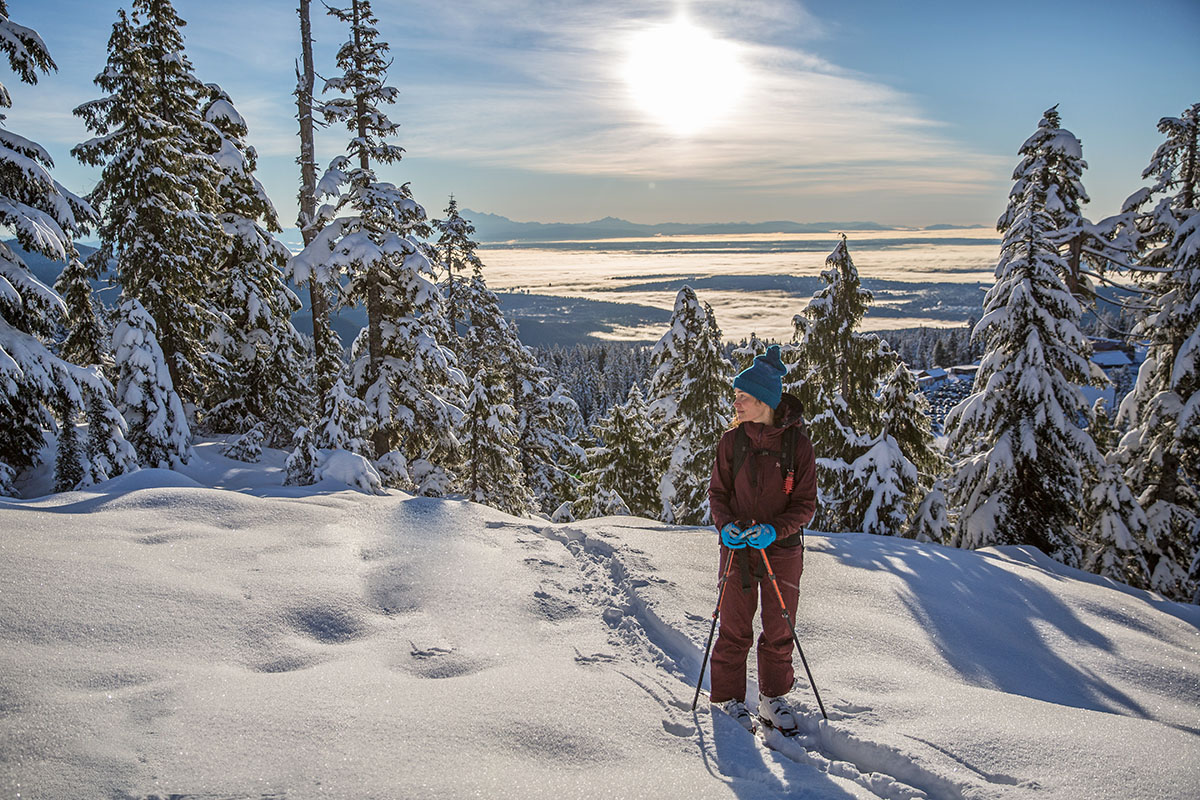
(159, 637)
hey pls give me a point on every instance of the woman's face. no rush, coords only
(749, 408)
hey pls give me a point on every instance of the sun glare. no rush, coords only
(684, 77)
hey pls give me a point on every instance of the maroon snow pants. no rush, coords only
(775, 674)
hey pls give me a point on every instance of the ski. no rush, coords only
(789, 733)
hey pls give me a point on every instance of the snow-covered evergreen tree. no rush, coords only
(70, 461)
(748, 351)
(1053, 157)
(489, 341)
(549, 452)
(261, 374)
(157, 190)
(109, 451)
(930, 522)
(1020, 448)
(691, 392)
(897, 472)
(455, 253)
(247, 447)
(548, 420)
(1115, 532)
(1161, 449)
(146, 397)
(87, 334)
(506, 374)
(1116, 527)
(36, 385)
(836, 374)
(492, 472)
(904, 412)
(880, 486)
(343, 424)
(304, 461)
(401, 367)
(622, 466)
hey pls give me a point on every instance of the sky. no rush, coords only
(902, 113)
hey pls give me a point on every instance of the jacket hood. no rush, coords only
(789, 412)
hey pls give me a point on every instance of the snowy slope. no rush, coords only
(161, 637)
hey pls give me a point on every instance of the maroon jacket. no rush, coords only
(737, 499)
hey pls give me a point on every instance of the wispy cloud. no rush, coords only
(558, 103)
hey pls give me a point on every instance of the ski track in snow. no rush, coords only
(610, 580)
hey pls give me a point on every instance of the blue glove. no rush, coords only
(732, 536)
(760, 536)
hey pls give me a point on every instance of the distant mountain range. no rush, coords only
(495, 228)
(492, 228)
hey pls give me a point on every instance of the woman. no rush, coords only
(753, 503)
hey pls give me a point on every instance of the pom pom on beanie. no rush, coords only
(764, 378)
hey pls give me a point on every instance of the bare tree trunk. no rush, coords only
(318, 292)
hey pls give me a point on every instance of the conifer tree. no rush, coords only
(881, 483)
(488, 341)
(1021, 451)
(547, 417)
(1115, 532)
(691, 393)
(836, 374)
(1161, 450)
(455, 252)
(492, 472)
(1053, 157)
(904, 411)
(1115, 529)
(87, 335)
(36, 385)
(262, 377)
(549, 424)
(504, 374)
(304, 461)
(748, 351)
(930, 522)
(400, 365)
(247, 447)
(146, 397)
(70, 462)
(618, 468)
(109, 452)
(896, 473)
(157, 190)
(343, 424)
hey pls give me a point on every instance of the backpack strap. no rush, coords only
(787, 459)
(787, 455)
(741, 446)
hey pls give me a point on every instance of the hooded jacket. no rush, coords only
(756, 494)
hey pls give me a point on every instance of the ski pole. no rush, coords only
(713, 629)
(792, 628)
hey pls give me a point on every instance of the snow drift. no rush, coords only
(161, 637)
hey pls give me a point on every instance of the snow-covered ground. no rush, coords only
(213, 634)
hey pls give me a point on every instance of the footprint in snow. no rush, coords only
(431, 652)
(594, 658)
(678, 729)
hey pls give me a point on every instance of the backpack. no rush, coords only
(786, 456)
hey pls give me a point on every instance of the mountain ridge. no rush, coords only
(498, 228)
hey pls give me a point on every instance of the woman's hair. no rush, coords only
(734, 421)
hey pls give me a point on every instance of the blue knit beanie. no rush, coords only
(764, 378)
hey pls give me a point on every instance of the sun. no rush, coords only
(684, 77)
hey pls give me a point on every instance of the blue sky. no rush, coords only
(905, 113)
